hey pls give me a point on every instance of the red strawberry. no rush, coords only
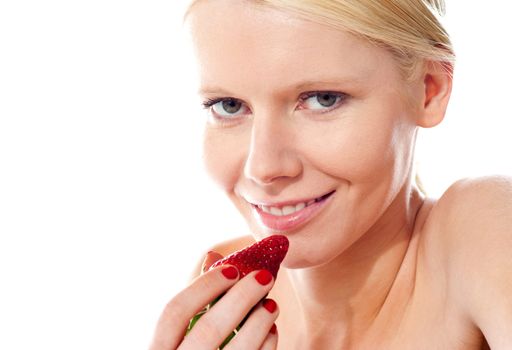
(266, 254)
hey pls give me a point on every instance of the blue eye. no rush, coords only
(318, 101)
(226, 107)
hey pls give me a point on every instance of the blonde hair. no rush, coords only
(409, 29)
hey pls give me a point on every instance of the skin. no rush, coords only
(371, 269)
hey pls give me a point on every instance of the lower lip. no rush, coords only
(291, 221)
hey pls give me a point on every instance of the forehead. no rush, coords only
(239, 43)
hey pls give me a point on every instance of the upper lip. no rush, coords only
(285, 203)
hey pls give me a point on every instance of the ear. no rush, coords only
(437, 80)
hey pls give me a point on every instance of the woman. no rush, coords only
(313, 110)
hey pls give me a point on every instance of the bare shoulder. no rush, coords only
(470, 229)
(474, 210)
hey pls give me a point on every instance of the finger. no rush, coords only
(210, 258)
(254, 332)
(229, 311)
(182, 307)
(270, 342)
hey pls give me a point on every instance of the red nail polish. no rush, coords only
(230, 272)
(273, 329)
(270, 305)
(263, 277)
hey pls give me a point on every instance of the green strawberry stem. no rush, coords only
(228, 339)
(197, 316)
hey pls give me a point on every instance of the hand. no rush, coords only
(217, 324)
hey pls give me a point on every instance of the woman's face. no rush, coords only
(297, 111)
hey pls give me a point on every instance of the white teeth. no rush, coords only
(288, 209)
(300, 206)
(275, 211)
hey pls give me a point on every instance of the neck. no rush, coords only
(349, 293)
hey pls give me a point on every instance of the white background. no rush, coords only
(104, 205)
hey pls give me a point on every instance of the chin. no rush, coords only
(295, 260)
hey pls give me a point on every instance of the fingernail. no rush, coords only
(230, 272)
(270, 305)
(273, 329)
(263, 277)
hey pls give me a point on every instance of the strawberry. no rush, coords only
(266, 254)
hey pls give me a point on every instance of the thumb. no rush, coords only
(210, 258)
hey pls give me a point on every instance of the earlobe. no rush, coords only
(437, 81)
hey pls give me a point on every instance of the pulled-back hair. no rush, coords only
(409, 29)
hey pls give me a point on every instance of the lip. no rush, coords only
(294, 220)
(285, 203)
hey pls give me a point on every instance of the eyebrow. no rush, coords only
(340, 81)
(213, 90)
(298, 86)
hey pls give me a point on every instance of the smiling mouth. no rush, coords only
(289, 209)
(287, 218)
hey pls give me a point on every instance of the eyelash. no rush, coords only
(343, 96)
(209, 103)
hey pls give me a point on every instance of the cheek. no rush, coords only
(358, 152)
(222, 157)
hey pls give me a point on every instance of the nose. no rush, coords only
(272, 154)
